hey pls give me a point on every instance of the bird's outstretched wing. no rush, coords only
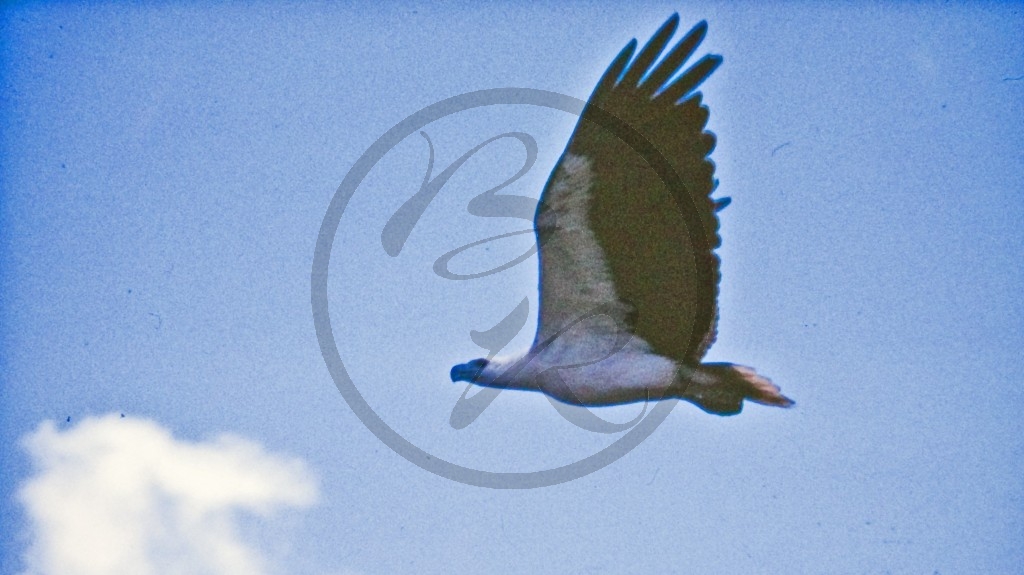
(626, 220)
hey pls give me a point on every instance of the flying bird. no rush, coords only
(626, 231)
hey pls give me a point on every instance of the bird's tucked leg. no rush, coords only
(720, 388)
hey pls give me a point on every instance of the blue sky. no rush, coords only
(164, 171)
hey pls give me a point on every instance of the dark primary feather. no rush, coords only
(683, 50)
(650, 206)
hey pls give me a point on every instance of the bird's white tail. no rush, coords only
(720, 388)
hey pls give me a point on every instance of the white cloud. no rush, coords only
(117, 495)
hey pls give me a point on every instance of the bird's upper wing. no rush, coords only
(626, 220)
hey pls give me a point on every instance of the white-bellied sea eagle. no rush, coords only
(626, 230)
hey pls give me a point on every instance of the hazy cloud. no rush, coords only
(116, 495)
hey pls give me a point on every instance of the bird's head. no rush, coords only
(472, 372)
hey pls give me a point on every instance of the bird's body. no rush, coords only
(627, 230)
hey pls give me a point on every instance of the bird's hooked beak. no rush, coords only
(468, 371)
(464, 372)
